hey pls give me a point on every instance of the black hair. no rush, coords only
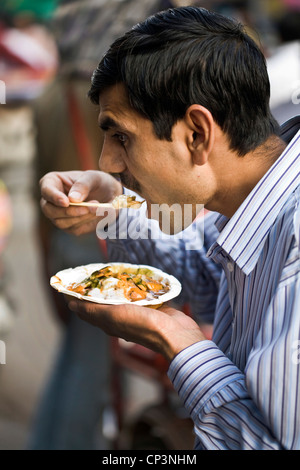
(189, 55)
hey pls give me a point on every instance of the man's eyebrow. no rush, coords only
(107, 123)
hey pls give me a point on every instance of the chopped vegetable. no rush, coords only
(136, 284)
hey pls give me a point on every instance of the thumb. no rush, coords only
(79, 191)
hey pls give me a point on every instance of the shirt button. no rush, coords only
(230, 267)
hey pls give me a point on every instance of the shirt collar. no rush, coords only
(243, 235)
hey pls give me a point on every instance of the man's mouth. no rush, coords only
(130, 182)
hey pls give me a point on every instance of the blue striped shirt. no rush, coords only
(242, 388)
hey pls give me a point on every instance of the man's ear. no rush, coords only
(201, 132)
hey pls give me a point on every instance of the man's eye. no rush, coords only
(121, 138)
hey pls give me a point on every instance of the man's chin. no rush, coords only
(172, 219)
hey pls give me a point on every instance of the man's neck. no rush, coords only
(243, 174)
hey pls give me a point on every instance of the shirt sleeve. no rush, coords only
(256, 409)
(138, 240)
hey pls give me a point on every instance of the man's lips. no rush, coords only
(130, 183)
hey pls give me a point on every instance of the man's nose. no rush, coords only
(111, 160)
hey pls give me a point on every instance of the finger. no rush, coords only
(167, 309)
(52, 190)
(62, 218)
(83, 228)
(54, 212)
(54, 186)
(83, 186)
(74, 223)
(89, 312)
(65, 218)
(76, 305)
(68, 178)
(50, 210)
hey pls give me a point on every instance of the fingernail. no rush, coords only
(63, 202)
(75, 195)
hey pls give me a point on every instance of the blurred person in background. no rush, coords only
(283, 60)
(78, 390)
(289, 23)
(28, 56)
(28, 60)
(275, 26)
(254, 14)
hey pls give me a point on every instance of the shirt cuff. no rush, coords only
(199, 372)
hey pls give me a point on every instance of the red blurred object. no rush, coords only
(28, 61)
(22, 49)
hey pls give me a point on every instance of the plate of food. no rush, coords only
(117, 283)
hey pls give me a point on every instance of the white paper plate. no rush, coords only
(65, 278)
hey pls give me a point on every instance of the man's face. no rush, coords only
(158, 170)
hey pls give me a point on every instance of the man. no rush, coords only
(184, 105)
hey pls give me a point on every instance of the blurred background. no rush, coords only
(64, 384)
